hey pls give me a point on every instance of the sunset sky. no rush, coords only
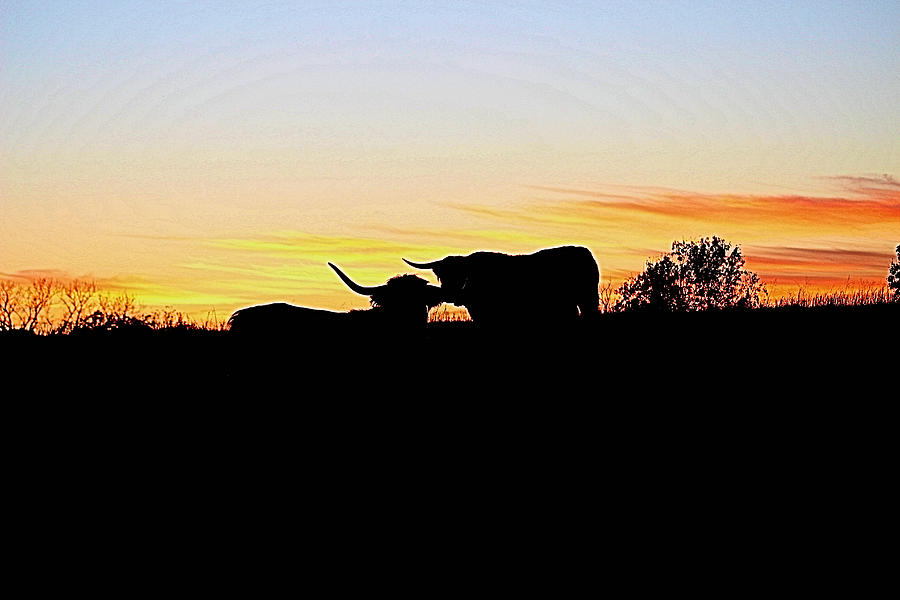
(217, 154)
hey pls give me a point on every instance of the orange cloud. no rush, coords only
(793, 240)
(872, 263)
(796, 239)
(818, 242)
(877, 206)
(110, 284)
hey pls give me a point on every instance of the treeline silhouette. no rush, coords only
(46, 306)
(845, 340)
(704, 275)
(694, 317)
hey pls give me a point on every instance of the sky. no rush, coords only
(211, 155)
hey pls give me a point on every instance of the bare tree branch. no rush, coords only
(10, 300)
(33, 310)
(79, 300)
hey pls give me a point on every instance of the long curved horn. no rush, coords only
(428, 265)
(359, 289)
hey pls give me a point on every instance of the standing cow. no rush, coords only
(546, 287)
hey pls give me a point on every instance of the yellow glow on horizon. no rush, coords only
(818, 244)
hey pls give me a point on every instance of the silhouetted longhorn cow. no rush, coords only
(547, 286)
(400, 304)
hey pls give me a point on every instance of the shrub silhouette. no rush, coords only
(893, 278)
(694, 276)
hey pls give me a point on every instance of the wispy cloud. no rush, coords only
(121, 284)
(791, 240)
(29, 275)
(875, 205)
(865, 183)
(850, 232)
(292, 266)
(786, 238)
(772, 261)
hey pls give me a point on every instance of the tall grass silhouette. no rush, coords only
(845, 298)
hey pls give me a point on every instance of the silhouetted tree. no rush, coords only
(79, 300)
(33, 310)
(121, 308)
(47, 306)
(893, 277)
(10, 300)
(695, 275)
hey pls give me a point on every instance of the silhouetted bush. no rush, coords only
(893, 278)
(694, 276)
